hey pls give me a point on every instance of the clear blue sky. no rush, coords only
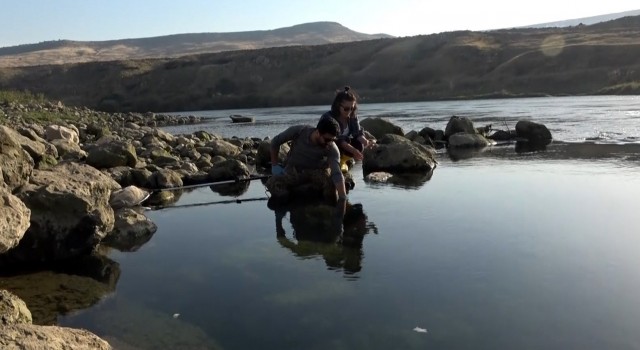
(33, 21)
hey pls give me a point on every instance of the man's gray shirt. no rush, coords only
(305, 154)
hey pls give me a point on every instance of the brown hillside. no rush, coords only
(583, 60)
(66, 51)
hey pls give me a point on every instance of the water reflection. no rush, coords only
(232, 190)
(333, 232)
(409, 181)
(67, 287)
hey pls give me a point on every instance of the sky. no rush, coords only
(34, 21)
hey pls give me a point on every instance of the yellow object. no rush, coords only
(344, 159)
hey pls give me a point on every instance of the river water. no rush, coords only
(497, 249)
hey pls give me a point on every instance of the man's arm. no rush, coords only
(285, 136)
(336, 173)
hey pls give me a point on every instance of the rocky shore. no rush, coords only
(71, 184)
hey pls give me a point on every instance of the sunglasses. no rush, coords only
(328, 140)
(348, 109)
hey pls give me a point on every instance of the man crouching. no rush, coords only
(312, 165)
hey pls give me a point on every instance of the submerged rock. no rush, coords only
(18, 332)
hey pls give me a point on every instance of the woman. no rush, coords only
(351, 140)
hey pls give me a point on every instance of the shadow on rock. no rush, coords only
(334, 232)
(49, 294)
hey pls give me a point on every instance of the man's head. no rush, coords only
(328, 126)
(328, 129)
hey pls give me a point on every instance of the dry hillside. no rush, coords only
(67, 51)
(582, 60)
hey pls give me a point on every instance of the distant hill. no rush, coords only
(67, 51)
(585, 20)
(602, 58)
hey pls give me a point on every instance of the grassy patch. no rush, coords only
(33, 115)
(22, 97)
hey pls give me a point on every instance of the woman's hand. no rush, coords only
(357, 155)
(366, 143)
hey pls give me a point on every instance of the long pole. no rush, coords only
(224, 182)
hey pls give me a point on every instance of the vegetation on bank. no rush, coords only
(32, 108)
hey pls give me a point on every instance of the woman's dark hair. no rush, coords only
(344, 95)
(328, 126)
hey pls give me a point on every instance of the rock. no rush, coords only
(55, 132)
(68, 150)
(459, 124)
(223, 148)
(501, 135)
(378, 127)
(18, 332)
(463, 139)
(14, 220)
(132, 229)
(13, 310)
(15, 162)
(397, 154)
(70, 213)
(129, 196)
(36, 149)
(165, 178)
(235, 118)
(229, 170)
(49, 294)
(533, 132)
(24, 336)
(263, 155)
(378, 177)
(111, 154)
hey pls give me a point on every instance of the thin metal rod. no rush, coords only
(213, 183)
(238, 201)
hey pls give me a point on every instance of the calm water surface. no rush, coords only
(497, 250)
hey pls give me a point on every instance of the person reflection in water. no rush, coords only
(333, 232)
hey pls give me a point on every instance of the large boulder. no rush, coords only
(223, 148)
(533, 132)
(14, 220)
(166, 178)
(70, 213)
(39, 151)
(55, 132)
(263, 155)
(112, 153)
(378, 127)
(69, 150)
(395, 154)
(459, 124)
(230, 169)
(15, 162)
